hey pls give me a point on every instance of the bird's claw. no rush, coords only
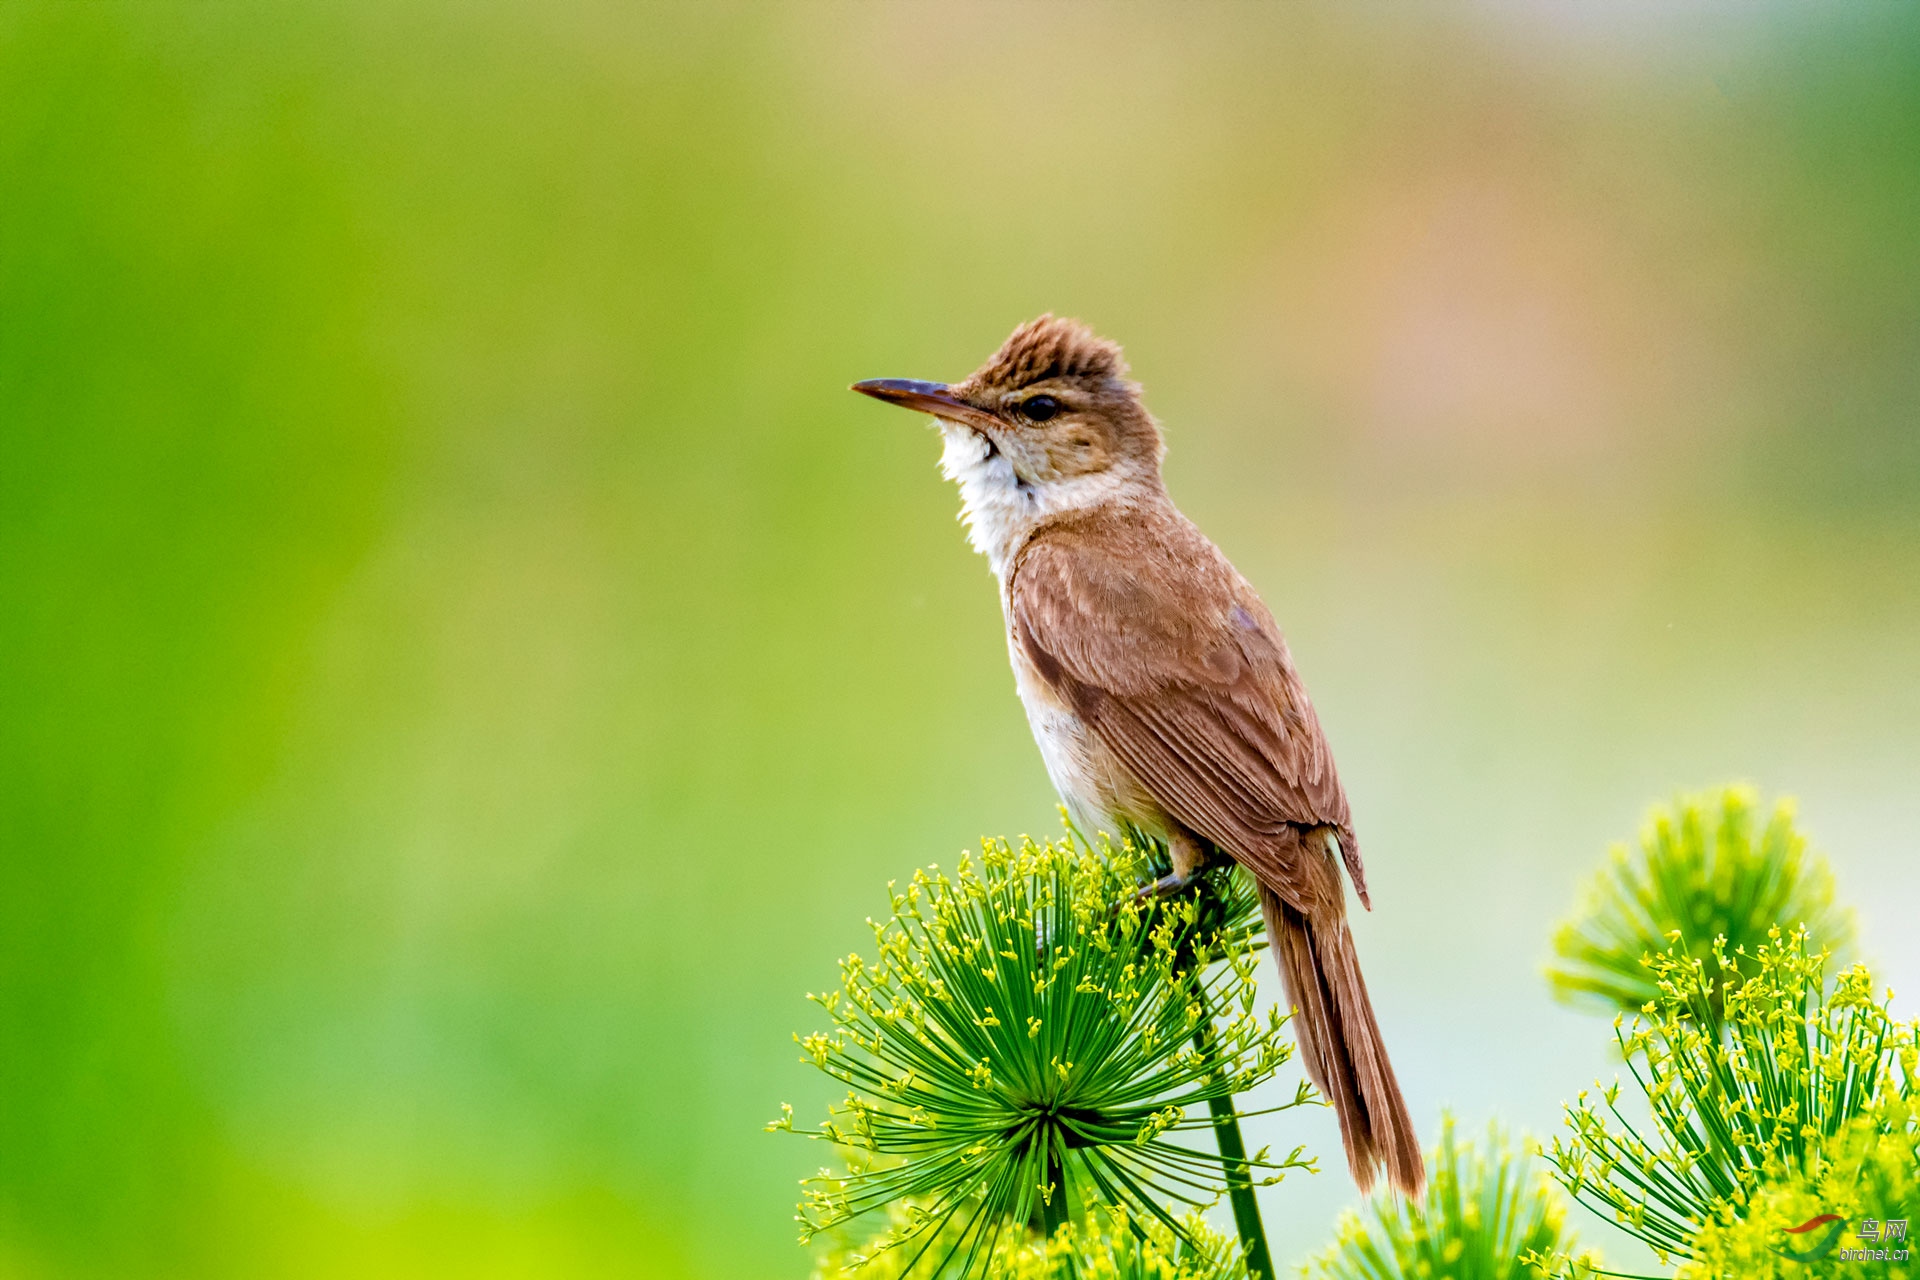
(1165, 887)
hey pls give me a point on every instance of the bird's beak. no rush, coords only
(935, 398)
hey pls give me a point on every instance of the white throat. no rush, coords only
(997, 506)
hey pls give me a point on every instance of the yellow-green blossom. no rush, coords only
(1867, 1176)
(1751, 1066)
(1035, 1040)
(1104, 1245)
(1706, 869)
(1486, 1211)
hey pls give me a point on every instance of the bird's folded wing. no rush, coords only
(1183, 675)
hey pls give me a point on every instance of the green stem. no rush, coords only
(1053, 1211)
(1233, 1155)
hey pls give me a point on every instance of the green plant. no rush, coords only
(1031, 1043)
(1706, 869)
(1485, 1210)
(1762, 1088)
(1867, 1173)
(1104, 1245)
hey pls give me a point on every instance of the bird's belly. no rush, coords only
(1097, 789)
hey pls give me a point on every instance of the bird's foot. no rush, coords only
(1166, 886)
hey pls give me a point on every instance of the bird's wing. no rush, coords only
(1169, 656)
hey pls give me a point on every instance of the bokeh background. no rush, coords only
(468, 667)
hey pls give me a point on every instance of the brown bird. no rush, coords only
(1158, 686)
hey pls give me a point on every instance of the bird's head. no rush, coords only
(1051, 414)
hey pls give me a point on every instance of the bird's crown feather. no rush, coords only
(1049, 347)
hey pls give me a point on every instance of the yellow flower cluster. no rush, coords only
(1030, 1043)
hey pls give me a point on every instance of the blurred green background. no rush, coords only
(467, 665)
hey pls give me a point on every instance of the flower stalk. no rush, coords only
(1233, 1154)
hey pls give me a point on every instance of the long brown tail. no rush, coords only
(1340, 1043)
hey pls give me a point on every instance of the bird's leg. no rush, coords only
(1190, 857)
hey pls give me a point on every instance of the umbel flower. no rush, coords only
(1104, 1245)
(1486, 1212)
(1739, 1101)
(1107, 1246)
(1034, 1040)
(1706, 869)
(1867, 1180)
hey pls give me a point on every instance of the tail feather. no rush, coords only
(1340, 1044)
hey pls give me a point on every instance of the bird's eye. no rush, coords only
(1040, 408)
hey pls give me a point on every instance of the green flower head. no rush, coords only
(1740, 1099)
(1708, 868)
(1487, 1215)
(1107, 1246)
(1030, 1043)
(1104, 1245)
(1866, 1177)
